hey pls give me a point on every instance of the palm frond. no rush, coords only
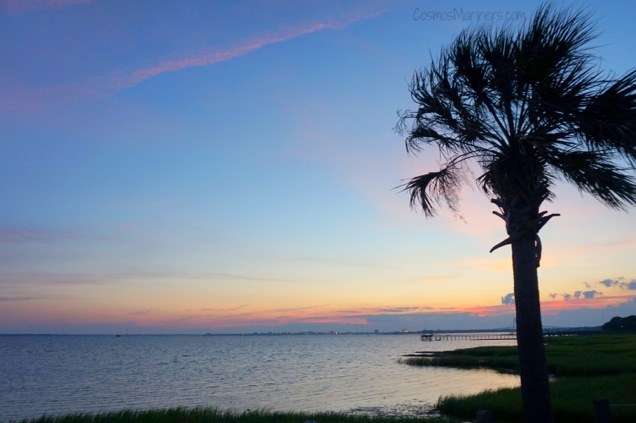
(594, 173)
(435, 188)
(528, 104)
(609, 118)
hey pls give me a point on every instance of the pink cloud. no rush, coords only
(554, 307)
(487, 311)
(550, 308)
(21, 6)
(107, 85)
(212, 58)
(313, 315)
(361, 315)
(32, 310)
(244, 318)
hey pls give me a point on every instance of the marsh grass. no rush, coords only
(503, 359)
(592, 355)
(211, 415)
(589, 355)
(586, 368)
(572, 400)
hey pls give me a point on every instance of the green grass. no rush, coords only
(210, 415)
(592, 355)
(502, 359)
(589, 355)
(586, 368)
(572, 400)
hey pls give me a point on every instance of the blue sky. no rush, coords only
(231, 166)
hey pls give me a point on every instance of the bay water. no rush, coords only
(59, 374)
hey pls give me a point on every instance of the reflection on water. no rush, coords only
(61, 374)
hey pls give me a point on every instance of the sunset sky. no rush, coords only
(213, 166)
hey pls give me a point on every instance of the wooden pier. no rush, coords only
(469, 337)
(503, 336)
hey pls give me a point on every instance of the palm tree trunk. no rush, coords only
(535, 388)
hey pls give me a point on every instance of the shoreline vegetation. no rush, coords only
(583, 368)
(212, 415)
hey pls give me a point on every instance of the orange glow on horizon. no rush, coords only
(553, 307)
(244, 316)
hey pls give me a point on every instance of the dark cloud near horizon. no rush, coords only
(591, 294)
(620, 282)
(508, 299)
(576, 295)
(608, 283)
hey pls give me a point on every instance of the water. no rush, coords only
(350, 373)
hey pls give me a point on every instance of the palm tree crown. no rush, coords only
(528, 106)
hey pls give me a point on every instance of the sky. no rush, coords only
(230, 167)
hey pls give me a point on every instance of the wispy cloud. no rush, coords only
(388, 310)
(624, 243)
(321, 314)
(336, 261)
(36, 279)
(486, 311)
(244, 316)
(21, 236)
(438, 278)
(250, 46)
(12, 299)
(106, 85)
(488, 263)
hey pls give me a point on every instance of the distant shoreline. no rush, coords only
(586, 329)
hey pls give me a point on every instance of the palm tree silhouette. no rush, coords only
(528, 106)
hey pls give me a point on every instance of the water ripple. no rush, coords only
(62, 374)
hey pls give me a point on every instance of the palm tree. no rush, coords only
(528, 106)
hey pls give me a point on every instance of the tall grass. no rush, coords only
(211, 415)
(591, 355)
(572, 400)
(502, 359)
(586, 368)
